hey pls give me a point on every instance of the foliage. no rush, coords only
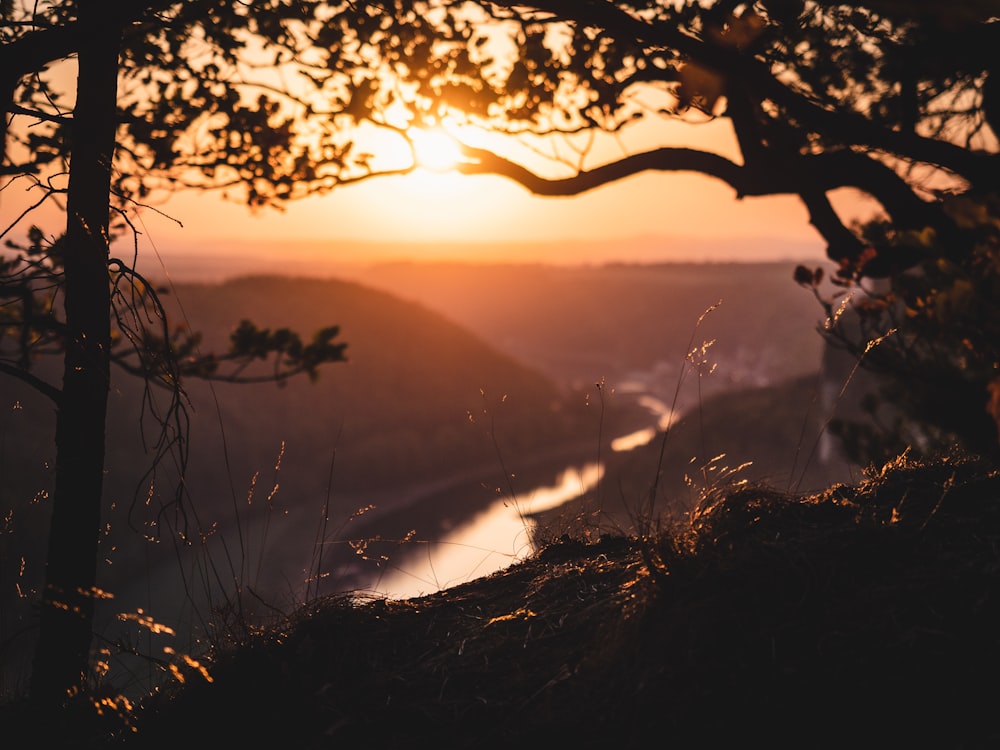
(144, 343)
(297, 98)
(126, 56)
(261, 101)
(286, 100)
(932, 332)
(279, 99)
(879, 97)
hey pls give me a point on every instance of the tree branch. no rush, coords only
(809, 176)
(842, 244)
(36, 49)
(665, 159)
(745, 71)
(43, 387)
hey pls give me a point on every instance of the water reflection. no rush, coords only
(665, 417)
(491, 541)
(633, 440)
(502, 535)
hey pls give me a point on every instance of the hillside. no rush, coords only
(385, 429)
(862, 616)
(392, 429)
(626, 323)
(767, 434)
(761, 614)
(397, 413)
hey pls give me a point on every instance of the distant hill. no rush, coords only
(398, 412)
(586, 321)
(381, 430)
(226, 259)
(457, 374)
(624, 322)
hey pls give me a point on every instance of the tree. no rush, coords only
(891, 99)
(278, 99)
(149, 75)
(899, 101)
(931, 333)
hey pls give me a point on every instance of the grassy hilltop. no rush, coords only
(863, 616)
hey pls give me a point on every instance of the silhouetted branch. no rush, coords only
(667, 159)
(25, 376)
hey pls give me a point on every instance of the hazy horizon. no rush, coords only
(219, 260)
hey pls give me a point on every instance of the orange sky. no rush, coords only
(433, 215)
(440, 211)
(436, 207)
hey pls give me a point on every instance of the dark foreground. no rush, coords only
(864, 616)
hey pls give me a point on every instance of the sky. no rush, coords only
(435, 215)
(650, 217)
(448, 209)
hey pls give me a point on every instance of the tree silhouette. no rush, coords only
(895, 100)
(932, 333)
(276, 100)
(899, 101)
(161, 100)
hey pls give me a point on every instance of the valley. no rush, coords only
(465, 387)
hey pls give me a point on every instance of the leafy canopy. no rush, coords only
(285, 98)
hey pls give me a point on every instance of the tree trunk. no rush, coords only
(67, 608)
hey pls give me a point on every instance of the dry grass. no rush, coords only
(863, 616)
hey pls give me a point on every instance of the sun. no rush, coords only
(435, 150)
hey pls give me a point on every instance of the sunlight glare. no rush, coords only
(435, 149)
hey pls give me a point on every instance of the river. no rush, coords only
(502, 534)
